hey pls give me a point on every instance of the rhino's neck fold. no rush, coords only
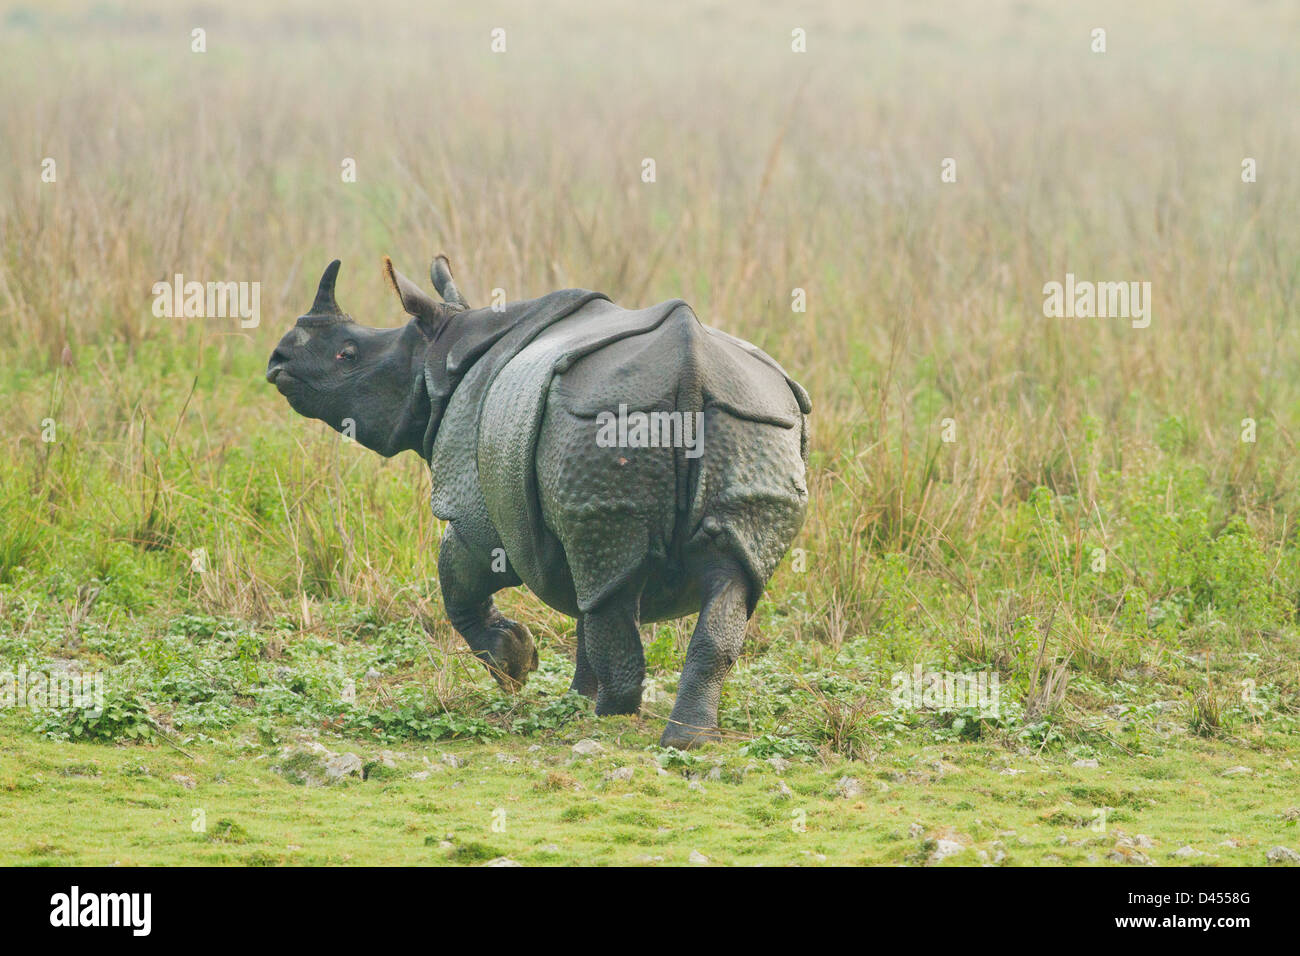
(405, 420)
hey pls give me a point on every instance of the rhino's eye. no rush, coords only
(348, 351)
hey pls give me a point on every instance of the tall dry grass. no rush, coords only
(775, 170)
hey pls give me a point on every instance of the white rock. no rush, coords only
(698, 857)
(1282, 854)
(1085, 764)
(587, 747)
(848, 787)
(944, 849)
(342, 765)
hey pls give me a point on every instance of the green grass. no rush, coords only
(1101, 534)
(560, 808)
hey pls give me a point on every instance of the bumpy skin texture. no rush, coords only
(612, 535)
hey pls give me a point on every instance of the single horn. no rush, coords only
(440, 273)
(325, 304)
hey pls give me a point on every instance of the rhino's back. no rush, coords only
(578, 516)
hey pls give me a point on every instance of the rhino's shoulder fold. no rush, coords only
(485, 340)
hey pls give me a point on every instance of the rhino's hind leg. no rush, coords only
(584, 675)
(714, 648)
(612, 638)
(504, 646)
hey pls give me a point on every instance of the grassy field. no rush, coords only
(1101, 515)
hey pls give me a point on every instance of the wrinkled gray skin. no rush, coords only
(505, 406)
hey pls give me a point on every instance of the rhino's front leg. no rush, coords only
(468, 583)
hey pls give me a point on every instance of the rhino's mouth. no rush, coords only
(278, 377)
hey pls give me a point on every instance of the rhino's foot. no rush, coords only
(510, 655)
(610, 701)
(684, 735)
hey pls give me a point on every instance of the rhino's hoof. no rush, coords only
(684, 737)
(513, 656)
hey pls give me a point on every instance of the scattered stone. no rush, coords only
(1282, 854)
(779, 764)
(452, 761)
(340, 766)
(507, 758)
(1237, 771)
(621, 773)
(388, 759)
(714, 775)
(1186, 853)
(698, 857)
(373, 675)
(186, 782)
(1085, 764)
(783, 792)
(944, 849)
(502, 861)
(915, 831)
(696, 785)
(1291, 813)
(1127, 854)
(848, 787)
(651, 859)
(420, 775)
(588, 747)
(1128, 849)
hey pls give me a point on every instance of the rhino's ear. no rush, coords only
(429, 314)
(440, 274)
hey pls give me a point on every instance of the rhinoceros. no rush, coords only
(625, 465)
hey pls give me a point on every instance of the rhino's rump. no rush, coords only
(577, 519)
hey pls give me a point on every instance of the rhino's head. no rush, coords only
(366, 383)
